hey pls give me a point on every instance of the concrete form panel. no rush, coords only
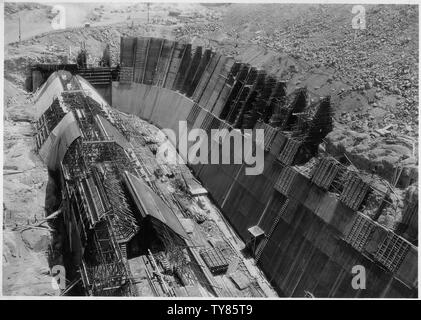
(242, 209)
(154, 50)
(149, 101)
(177, 55)
(216, 181)
(222, 99)
(212, 83)
(183, 108)
(127, 51)
(311, 274)
(163, 62)
(137, 102)
(220, 84)
(204, 80)
(120, 97)
(408, 271)
(141, 54)
(296, 272)
(326, 279)
(164, 108)
(397, 289)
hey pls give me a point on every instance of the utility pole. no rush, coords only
(148, 5)
(20, 37)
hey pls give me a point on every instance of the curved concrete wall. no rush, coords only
(306, 251)
(91, 91)
(50, 90)
(162, 107)
(312, 238)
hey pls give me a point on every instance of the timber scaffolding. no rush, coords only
(47, 122)
(97, 76)
(96, 201)
(101, 160)
(357, 190)
(89, 154)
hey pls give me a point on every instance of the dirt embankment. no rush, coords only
(25, 265)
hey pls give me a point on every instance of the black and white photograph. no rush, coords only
(208, 150)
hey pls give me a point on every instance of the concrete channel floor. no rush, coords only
(215, 229)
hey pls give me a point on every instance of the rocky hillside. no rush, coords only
(371, 75)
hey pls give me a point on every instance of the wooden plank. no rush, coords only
(164, 62)
(127, 51)
(182, 68)
(167, 68)
(140, 57)
(152, 60)
(191, 69)
(204, 80)
(146, 62)
(177, 55)
(212, 82)
(222, 78)
(199, 72)
(158, 64)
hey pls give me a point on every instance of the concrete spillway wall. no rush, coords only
(313, 238)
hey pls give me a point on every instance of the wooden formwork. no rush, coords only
(289, 151)
(354, 191)
(325, 173)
